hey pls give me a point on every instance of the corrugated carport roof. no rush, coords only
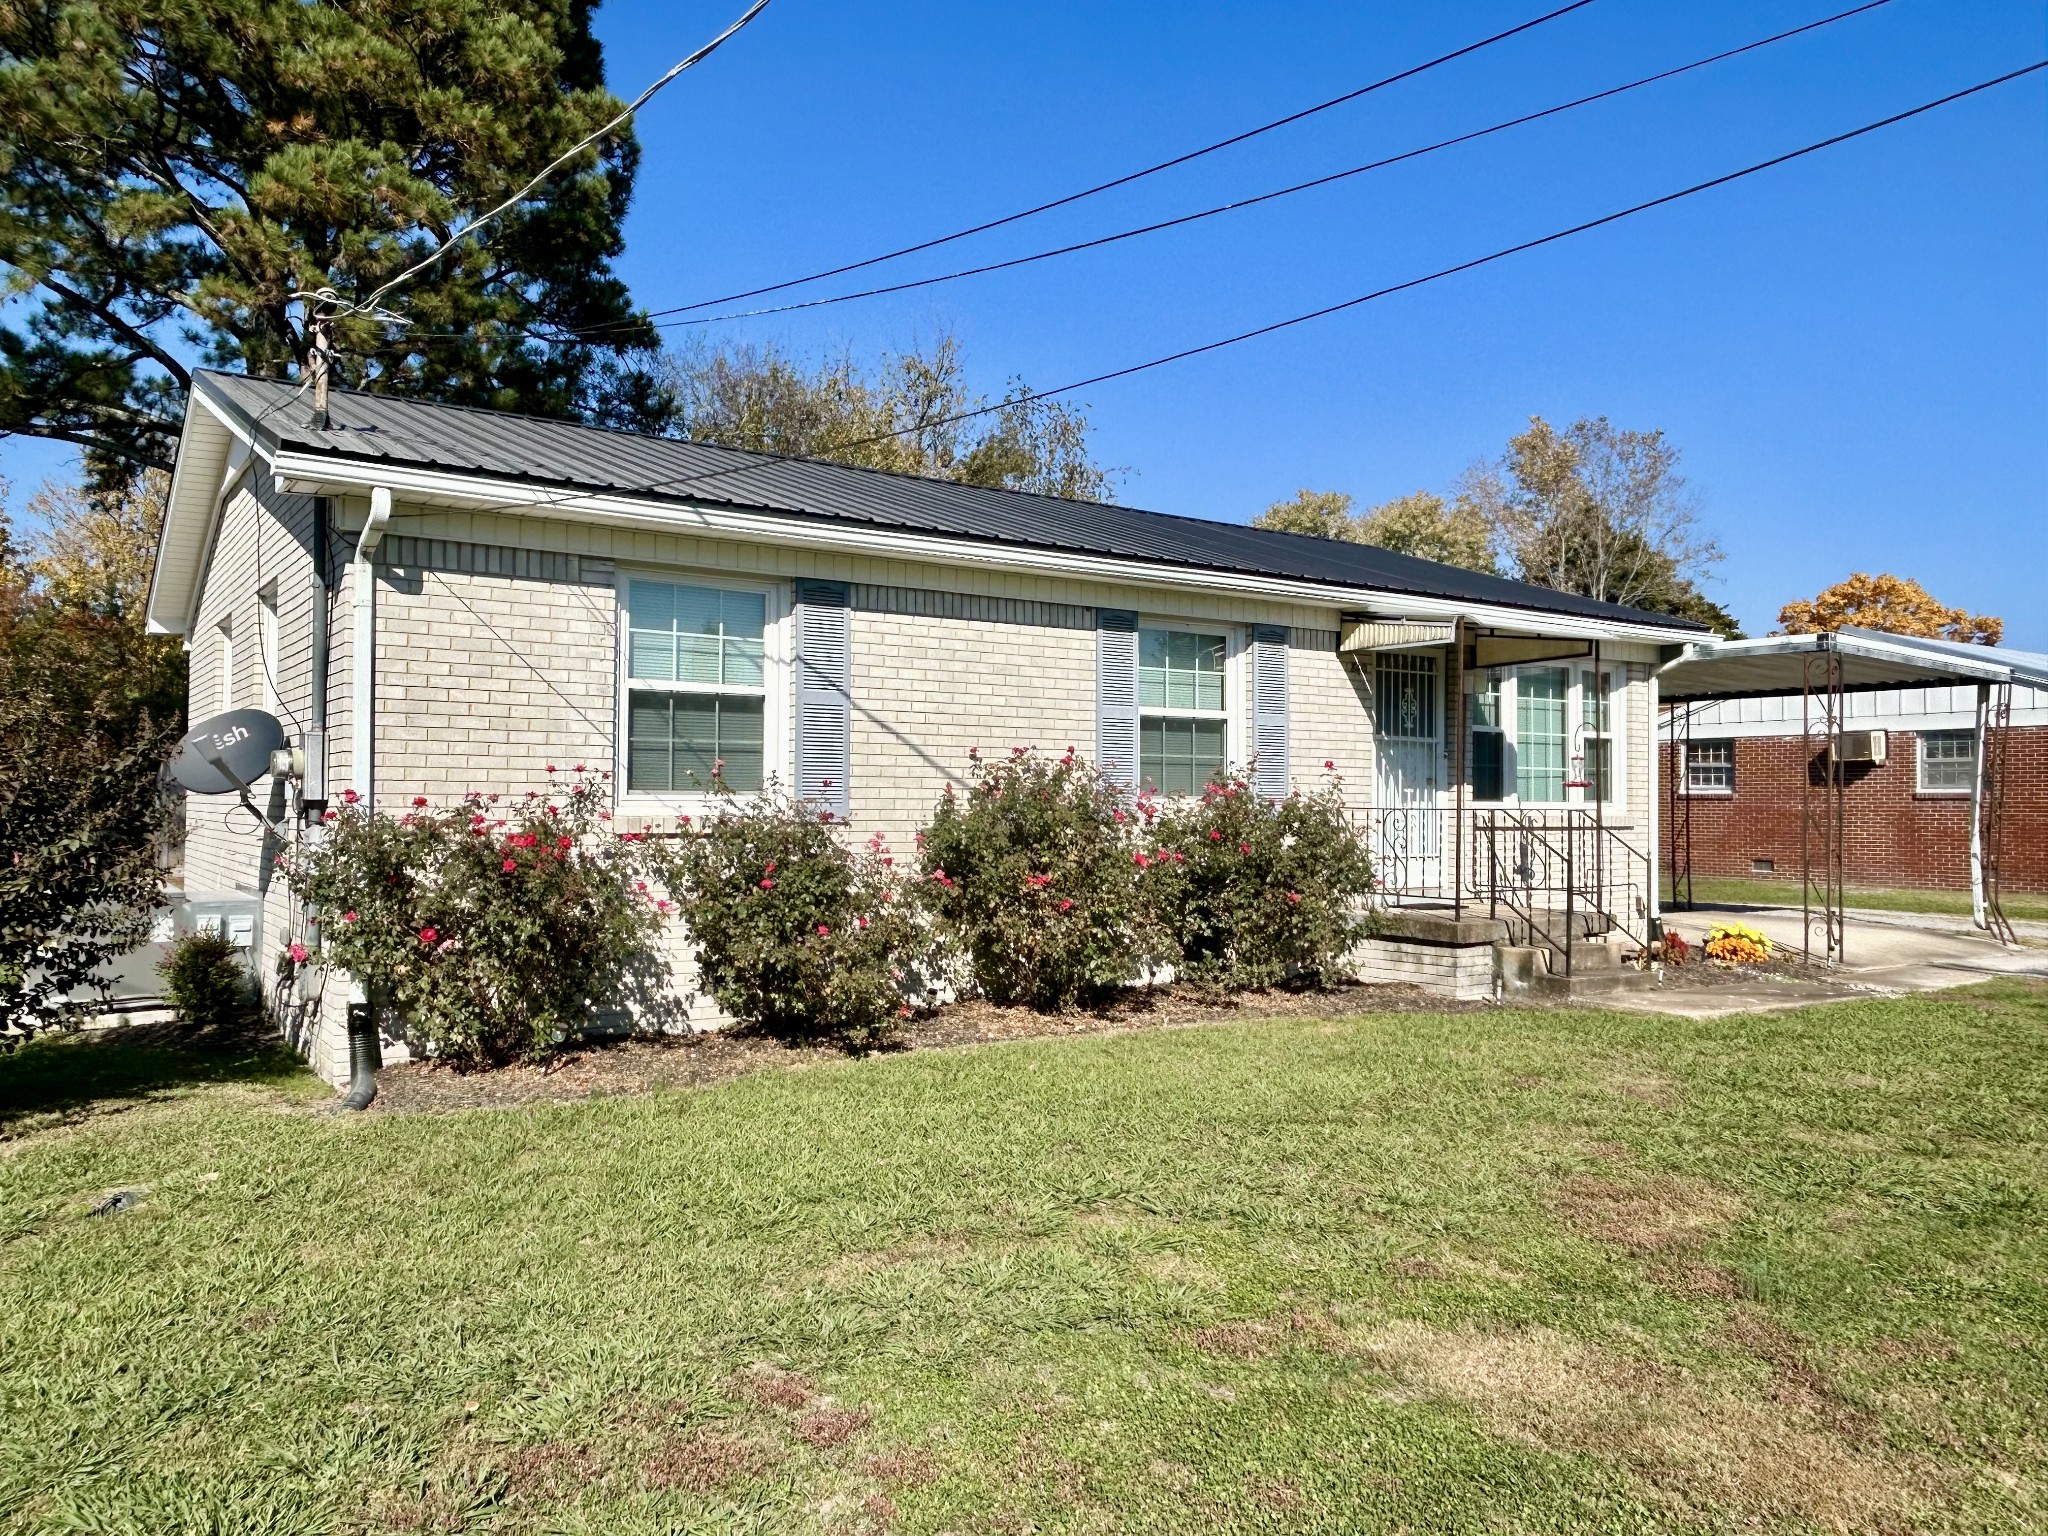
(1776, 664)
(532, 450)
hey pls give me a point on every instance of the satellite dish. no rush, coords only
(218, 753)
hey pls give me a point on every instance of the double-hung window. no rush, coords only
(696, 688)
(1543, 735)
(1948, 762)
(1183, 714)
(1597, 734)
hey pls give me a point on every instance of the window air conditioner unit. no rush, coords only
(1860, 747)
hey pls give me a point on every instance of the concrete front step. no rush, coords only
(1597, 968)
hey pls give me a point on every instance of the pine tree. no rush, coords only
(176, 170)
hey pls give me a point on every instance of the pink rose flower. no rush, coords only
(298, 954)
(429, 935)
(824, 932)
(509, 865)
(767, 884)
(348, 917)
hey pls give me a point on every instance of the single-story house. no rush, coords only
(434, 599)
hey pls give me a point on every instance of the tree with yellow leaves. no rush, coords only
(1894, 604)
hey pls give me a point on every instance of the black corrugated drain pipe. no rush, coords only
(364, 1057)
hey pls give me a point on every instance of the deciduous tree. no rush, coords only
(1421, 524)
(893, 415)
(89, 708)
(173, 174)
(1600, 511)
(1891, 603)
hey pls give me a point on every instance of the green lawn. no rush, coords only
(1515, 1271)
(1780, 893)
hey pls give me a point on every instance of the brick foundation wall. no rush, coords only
(1894, 835)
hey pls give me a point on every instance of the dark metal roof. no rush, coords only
(536, 451)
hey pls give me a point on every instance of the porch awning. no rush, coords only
(1396, 634)
(1776, 664)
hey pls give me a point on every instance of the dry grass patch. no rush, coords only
(767, 1386)
(906, 1468)
(704, 1463)
(1262, 1340)
(1701, 1450)
(831, 1427)
(1656, 1217)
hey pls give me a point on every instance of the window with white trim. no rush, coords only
(266, 647)
(1544, 734)
(1710, 767)
(696, 688)
(1183, 710)
(1596, 733)
(224, 674)
(1948, 762)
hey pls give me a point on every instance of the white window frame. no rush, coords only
(1235, 652)
(224, 669)
(1920, 762)
(1578, 681)
(778, 706)
(266, 648)
(1684, 769)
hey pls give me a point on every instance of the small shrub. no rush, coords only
(795, 933)
(1252, 892)
(205, 982)
(1676, 950)
(496, 933)
(1033, 873)
(1737, 943)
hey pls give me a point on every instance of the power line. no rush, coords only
(556, 164)
(1138, 175)
(684, 481)
(1263, 197)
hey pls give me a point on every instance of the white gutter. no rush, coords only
(362, 590)
(321, 475)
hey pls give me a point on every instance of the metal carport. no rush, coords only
(1821, 669)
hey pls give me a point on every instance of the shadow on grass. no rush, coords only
(60, 1079)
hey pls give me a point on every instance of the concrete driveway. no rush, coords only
(1883, 953)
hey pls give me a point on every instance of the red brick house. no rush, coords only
(1906, 795)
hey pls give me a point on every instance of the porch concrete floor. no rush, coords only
(1885, 953)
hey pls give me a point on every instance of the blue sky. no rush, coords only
(1852, 351)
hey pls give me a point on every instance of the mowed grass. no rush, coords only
(1514, 1271)
(1729, 891)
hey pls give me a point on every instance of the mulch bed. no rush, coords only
(602, 1068)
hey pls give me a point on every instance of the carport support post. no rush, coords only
(1977, 914)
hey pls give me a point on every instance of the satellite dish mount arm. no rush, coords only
(219, 764)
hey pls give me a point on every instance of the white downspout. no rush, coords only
(1977, 914)
(362, 587)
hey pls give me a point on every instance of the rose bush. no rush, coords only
(795, 932)
(495, 931)
(1033, 874)
(1252, 892)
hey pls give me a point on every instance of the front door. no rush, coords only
(1408, 760)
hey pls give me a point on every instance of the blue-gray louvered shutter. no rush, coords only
(1116, 696)
(824, 694)
(1269, 710)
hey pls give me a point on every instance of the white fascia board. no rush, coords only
(321, 475)
(212, 446)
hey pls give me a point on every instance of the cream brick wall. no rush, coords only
(264, 545)
(484, 680)
(927, 690)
